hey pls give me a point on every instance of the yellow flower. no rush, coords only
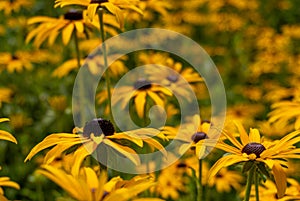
(92, 186)
(65, 69)
(285, 111)
(10, 6)
(269, 192)
(225, 180)
(139, 91)
(6, 182)
(18, 121)
(96, 134)
(4, 135)
(58, 103)
(171, 182)
(177, 78)
(113, 6)
(252, 150)
(72, 21)
(5, 95)
(201, 138)
(16, 62)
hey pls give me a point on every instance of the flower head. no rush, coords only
(253, 150)
(92, 185)
(113, 6)
(139, 91)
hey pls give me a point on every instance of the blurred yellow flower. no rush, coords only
(90, 185)
(18, 61)
(65, 69)
(268, 191)
(58, 103)
(226, 179)
(201, 138)
(5, 95)
(19, 121)
(285, 111)
(171, 74)
(113, 6)
(139, 91)
(9, 6)
(73, 21)
(171, 182)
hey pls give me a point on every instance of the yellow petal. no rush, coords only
(65, 181)
(224, 162)
(243, 134)
(126, 151)
(115, 11)
(4, 135)
(280, 179)
(200, 150)
(133, 138)
(79, 26)
(91, 178)
(79, 155)
(254, 135)
(156, 98)
(91, 11)
(156, 144)
(3, 119)
(67, 33)
(52, 140)
(140, 101)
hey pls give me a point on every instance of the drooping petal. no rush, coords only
(3, 119)
(79, 155)
(65, 181)
(67, 33)
(156, 98)
(126, 151)
(4, 135)
(140, 101)
(280, 179)
(156, 144)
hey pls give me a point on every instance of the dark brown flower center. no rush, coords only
(73, 14)
(199, 136)
(142, 84)
(181, 165)
(253, 148)
(172, 78)
(98, 127)
(14, 57)
(99, 1)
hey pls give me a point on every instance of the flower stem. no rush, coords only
(81, 82)
(199, 186)
(107, 73)
(249, 183)
(256, 181)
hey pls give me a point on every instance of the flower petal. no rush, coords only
(280, 179)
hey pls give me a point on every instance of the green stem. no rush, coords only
(81, 81)
(249, 183)
(199, 186)
(256, 181)
(107, 73)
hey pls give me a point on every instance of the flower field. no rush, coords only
(149, 100)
